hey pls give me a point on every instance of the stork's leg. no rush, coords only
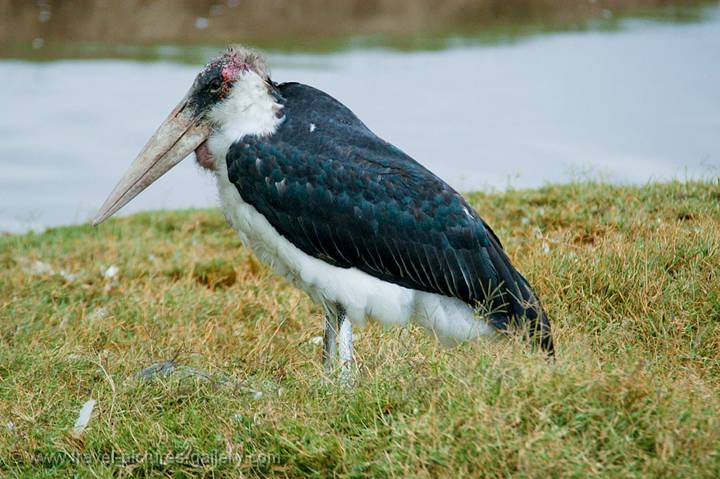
(330, 340)
(337, 341)
(345, 348)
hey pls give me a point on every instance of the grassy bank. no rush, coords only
(630, 276)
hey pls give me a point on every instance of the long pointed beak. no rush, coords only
(178, 136)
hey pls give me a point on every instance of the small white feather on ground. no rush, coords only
(111, 272)
(84, 416)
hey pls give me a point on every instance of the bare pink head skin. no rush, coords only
(231, 65)
(186, 129)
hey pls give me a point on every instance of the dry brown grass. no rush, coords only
(630, 277)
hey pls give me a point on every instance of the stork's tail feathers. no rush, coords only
(516, 306)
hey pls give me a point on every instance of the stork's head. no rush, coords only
(217, 92)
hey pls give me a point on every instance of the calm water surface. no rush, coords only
(631, 106)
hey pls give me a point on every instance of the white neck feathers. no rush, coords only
(248, 109)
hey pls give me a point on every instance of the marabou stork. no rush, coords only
(360, 226)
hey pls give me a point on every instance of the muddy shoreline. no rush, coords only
(101, 28)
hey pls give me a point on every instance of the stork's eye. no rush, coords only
(215, 85)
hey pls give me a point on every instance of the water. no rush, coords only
(636, 105)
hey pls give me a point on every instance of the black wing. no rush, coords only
(341, 194)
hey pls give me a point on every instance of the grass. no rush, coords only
(629, 275)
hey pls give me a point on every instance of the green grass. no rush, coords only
(629, 275)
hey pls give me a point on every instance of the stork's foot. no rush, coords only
(338, 344)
